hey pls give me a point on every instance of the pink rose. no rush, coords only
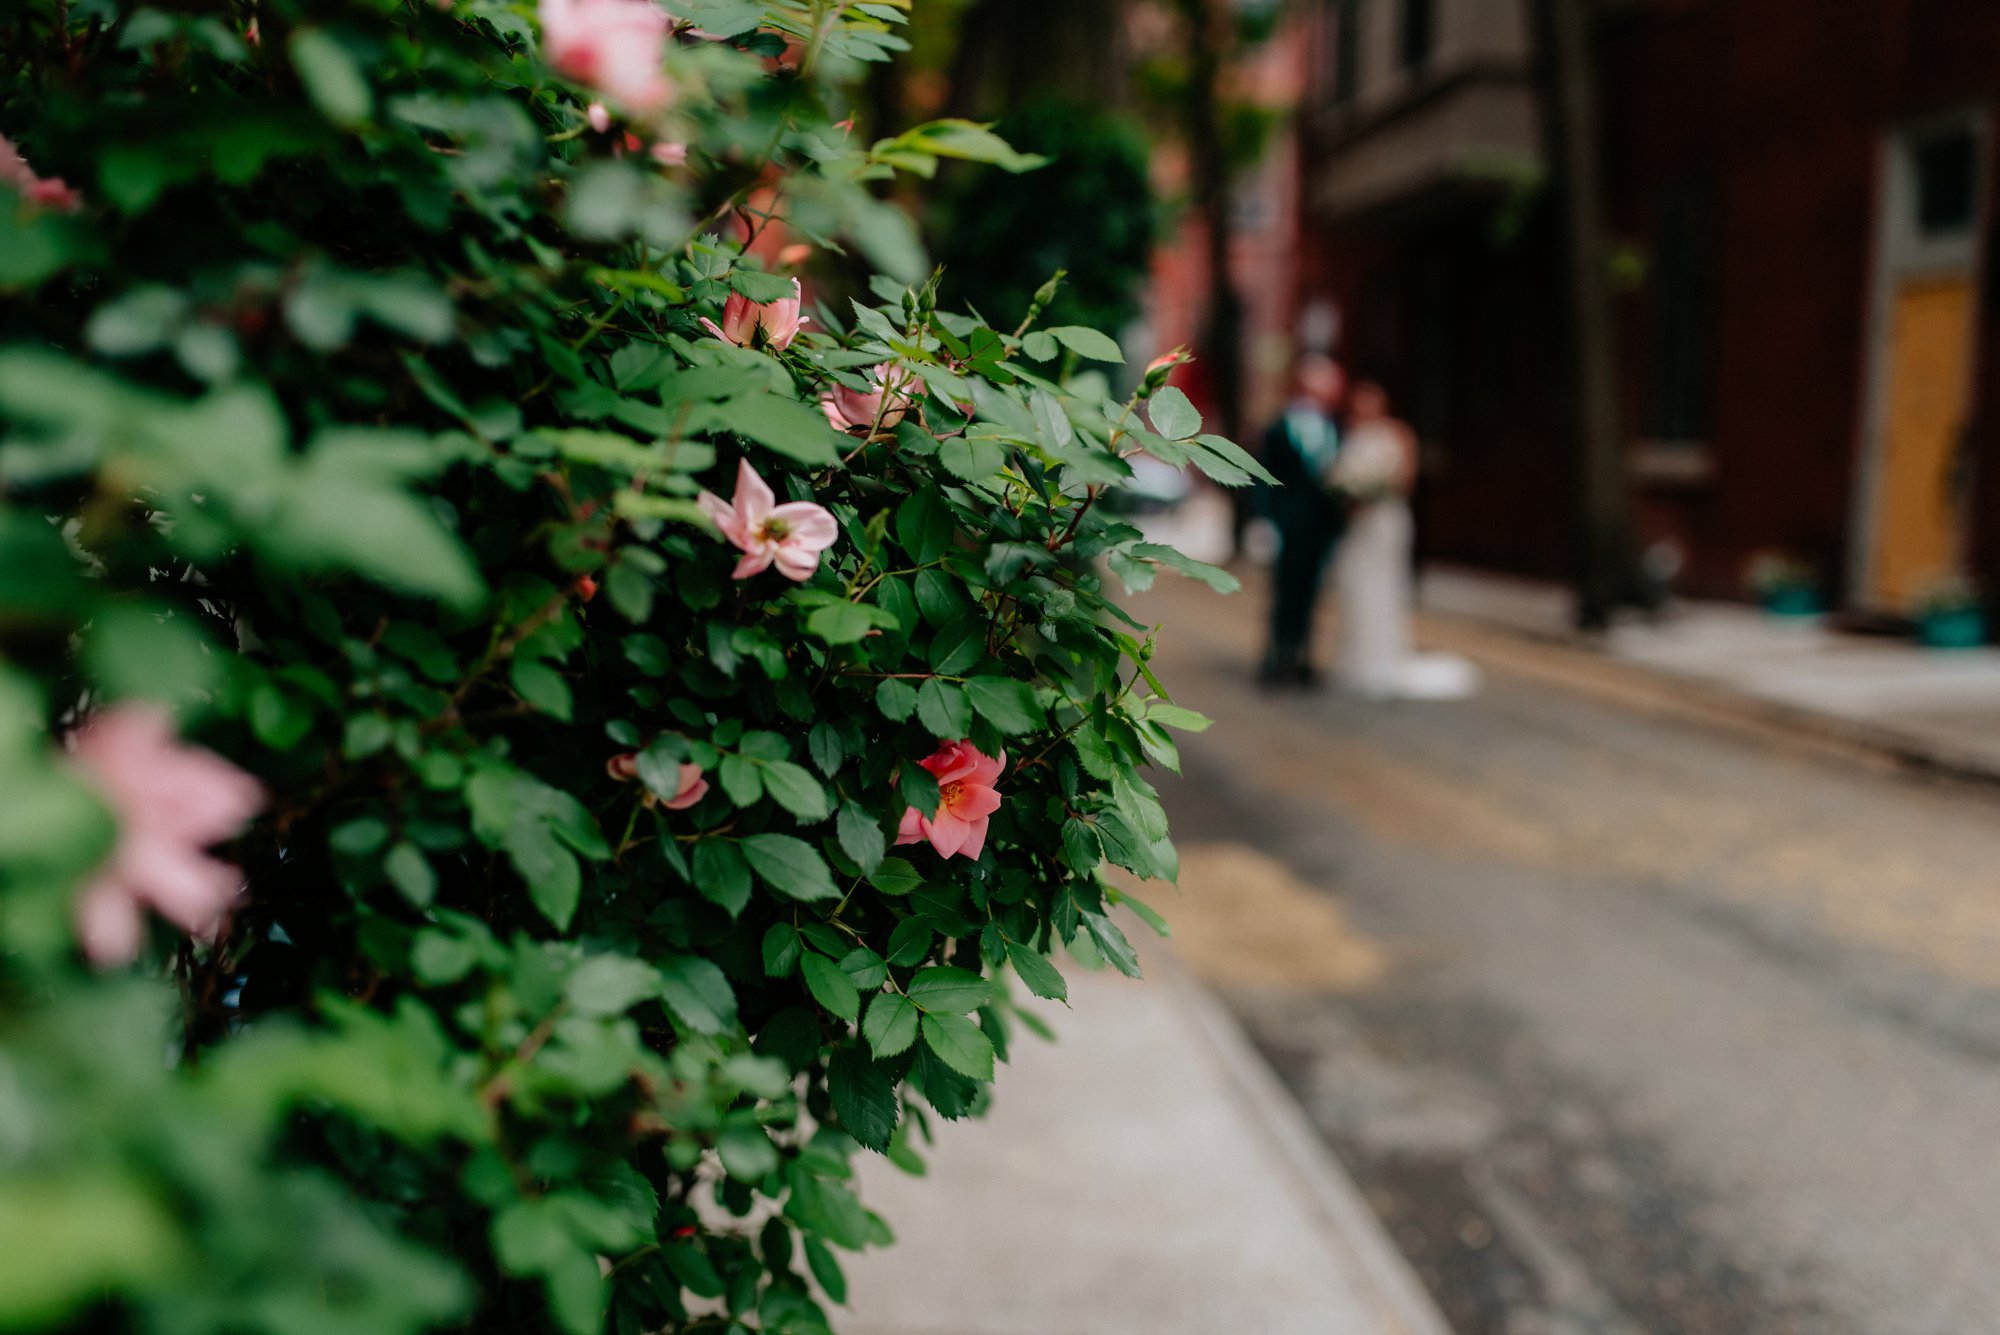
(742, 318)
(966, 798)
(171, 802)
(693, 787)
(676, 155)
(856, 410)
(48, 194)
(614, 46)
(790, 536)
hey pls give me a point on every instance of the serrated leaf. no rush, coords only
(896, 699)
(698, 993)
(943, 708)
(1111, 943)
(790, 866)
(610, 985)
(864, 1098)
(895, 876)
(861, 837)
(831, 987)
(1036, 972)
(960, 1044)
(1007, 704)
(826, 748)
(781, 950)
(1173, 415)
(1087, 342)
(721, 875)
(796, 790)
(948, 990)
(909, 942)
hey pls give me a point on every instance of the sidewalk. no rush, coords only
(1144, 1175)
(1936, 708)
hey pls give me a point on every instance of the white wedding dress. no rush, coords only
(1372, 581)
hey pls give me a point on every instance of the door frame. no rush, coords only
(1901, 253)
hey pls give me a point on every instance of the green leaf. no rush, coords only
(1035, 971)
(957, 647)
(790, 866)
(840, 623)
(943, 708)
(961, 1044)
(861, 837)
(825, 1269)
(721, 875)
(864, 1098)
(826, 747)
(1216, 578)
(891, 1024)
(796, 790)
(784, 425)
(332, 78)
(1173, 416)
(924, 526)
(781, 950)
(949, 990)
(1173, 716)
(1111, 943)
(541, 686)
(831, 986)
(1007, 704)
(896, 699)
(896, 876)
(410, 872)
(972, 458)
(1087, 342)
(698, 993)
(611, 985)
(909, 942)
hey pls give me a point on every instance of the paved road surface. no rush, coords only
(1625, 1022)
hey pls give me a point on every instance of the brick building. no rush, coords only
(1809, 329)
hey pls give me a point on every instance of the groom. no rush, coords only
(1310, 515)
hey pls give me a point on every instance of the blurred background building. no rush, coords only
(1797, 207)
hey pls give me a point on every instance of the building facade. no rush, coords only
(1801, 203)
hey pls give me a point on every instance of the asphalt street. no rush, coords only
(1625, 1020)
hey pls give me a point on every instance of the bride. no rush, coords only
(1376, 467)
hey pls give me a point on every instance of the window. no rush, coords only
(1346, 50)
(1684, 284)
(1419, 30)
(1947, 173)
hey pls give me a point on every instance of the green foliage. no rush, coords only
(1090, 213)
(358, 415)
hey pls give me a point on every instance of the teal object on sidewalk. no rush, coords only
(1793, 602)
(1960, 628)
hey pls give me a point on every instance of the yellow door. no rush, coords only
(1916, 512)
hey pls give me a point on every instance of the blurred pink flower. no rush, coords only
(856, 410)
(790, 536)
(171, 802)
(676, 155)
(51, 194)
(966, 799)
(779, 320)
(693, 787)
(599, 116)
(614, 46)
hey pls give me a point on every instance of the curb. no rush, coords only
(1379, 1275)
(1724, 705)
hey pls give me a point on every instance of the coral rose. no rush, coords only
(858, 410)
(966, 798)
(742, 318)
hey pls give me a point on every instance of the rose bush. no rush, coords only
(445, 855)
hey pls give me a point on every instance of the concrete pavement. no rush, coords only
(1144, 1175)
(1937, 708)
